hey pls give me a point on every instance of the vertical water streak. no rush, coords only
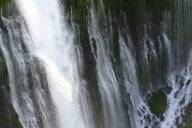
(139, 111)
(114, 114)
(168, 48)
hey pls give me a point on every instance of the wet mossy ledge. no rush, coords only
(127, 17)
(158, 103)
(135, 10)
(5, 7)
(137, 13)
(3, 3)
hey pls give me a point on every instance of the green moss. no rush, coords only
(158, 103)
(4, 4)
(5, 7)
(160, 5)
(144, 78)
(7, 122)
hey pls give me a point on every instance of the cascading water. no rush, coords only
(179, 98)
(53, 44)
(114, 113)
(49, 41)
(49, 87)
(26, 71)
(139, 111)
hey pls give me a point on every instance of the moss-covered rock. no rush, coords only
(158, 103)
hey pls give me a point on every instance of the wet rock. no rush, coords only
(188, 82)
(158, 103)
(167, 89)
(186, 117)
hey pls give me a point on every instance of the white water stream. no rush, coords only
(52, 42)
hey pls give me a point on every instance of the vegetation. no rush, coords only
(158, 103)
(4, 5)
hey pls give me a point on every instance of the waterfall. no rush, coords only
(179, 98)
(131, 85)
(49, 42)
(52, 42)
(29, 92)
(138, 110)
(98, 66)
(114, 113)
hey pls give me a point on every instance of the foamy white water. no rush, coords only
(52, 42)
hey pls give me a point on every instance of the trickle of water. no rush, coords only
(139, 111)
(114, 113)
(169, 51)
